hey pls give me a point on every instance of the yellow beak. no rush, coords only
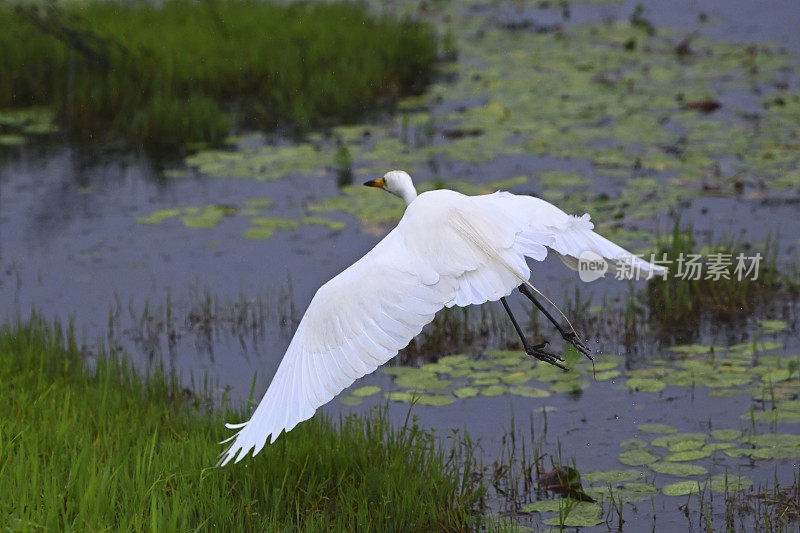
(380, 182)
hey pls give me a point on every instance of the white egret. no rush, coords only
(448, 249)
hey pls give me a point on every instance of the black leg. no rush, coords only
(568, 336)
(537, 350)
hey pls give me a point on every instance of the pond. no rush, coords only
(207, 263)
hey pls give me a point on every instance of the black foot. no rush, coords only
(538, 351)
(573, 339)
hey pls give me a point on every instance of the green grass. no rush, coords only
(683, 297)
(109, 449)
(185, 71)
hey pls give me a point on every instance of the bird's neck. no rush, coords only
(408, 194)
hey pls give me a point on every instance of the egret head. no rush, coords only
(396, 182)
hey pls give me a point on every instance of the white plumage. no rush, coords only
(448, 249)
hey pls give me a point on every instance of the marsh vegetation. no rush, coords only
(140, 72)
(687, 419)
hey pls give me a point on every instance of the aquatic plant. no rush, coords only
(141, 71)
(683, 296)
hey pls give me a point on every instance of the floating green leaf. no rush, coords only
(436, 399)
(494, 390)
(613, 476)
(606, 375)
(689, 455)
(265, 227)
(637, 457)
(645, 384)
(10, 139)
(466, 392)
(579, 514)
(161, 215)
(682, 488)
(569, 385)
(726, 434)
(367, 390)
(684, 445)
(727, 482)
(350, 400)
(515, 377)
(421, 380)
(772, 326)
(528, 392)
(670, 440)
(401, 396)
(678, 469)
(542, 506)
(631, 444)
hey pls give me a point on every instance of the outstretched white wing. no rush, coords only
(449, 249)
(571, 236)
(355, 322)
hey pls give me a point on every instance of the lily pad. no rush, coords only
(726, 434)
(678, 469)
(265, 227)
(10, 139)
(421, 380)
(606, 375)
(528, 392)
(715, 446)
(729, 482)
(613, 476)
(422, 399)
(773, 439)
(367, 390)
(774, 376)
(689, 455)
(436, 399)
(580, 514)
(542, 506)
(682, 488)
(645, 384)
(515, 378)
(466, 392)
(631, 444)
(772, 326)
(350, 400)
(669, 440)
(637, 457)
(684, 445)
(632, 492)
(494, 390)
(401, 396)
(569, 385)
